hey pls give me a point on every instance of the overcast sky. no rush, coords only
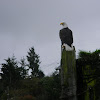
(27, 23)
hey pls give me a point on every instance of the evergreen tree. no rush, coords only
(34, 62)
(11, 77)
(11, 73)
(23, 70)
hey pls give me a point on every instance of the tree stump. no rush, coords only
(68, 75)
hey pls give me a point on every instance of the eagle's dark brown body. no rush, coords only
(66, 36)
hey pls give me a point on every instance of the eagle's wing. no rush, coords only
(66, 36)
(62, 36)
(71, 35)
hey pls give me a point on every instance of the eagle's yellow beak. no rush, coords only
(61, 23)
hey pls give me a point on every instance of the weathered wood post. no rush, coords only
(68, 75)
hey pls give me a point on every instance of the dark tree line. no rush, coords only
(24, 80)
(13, 71)
(88, 74)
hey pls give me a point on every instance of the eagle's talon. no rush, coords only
(63, 47)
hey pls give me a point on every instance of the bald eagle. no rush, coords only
(66, 36)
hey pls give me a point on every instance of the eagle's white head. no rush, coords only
(64, 25)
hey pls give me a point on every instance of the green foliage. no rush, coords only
(33, 60)
(88, 71)
(46, 88)
(22, 68)
(11, 76)
(52, 87)
(1, 88)
(11, 72)
(89, 57)
(17, 85)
